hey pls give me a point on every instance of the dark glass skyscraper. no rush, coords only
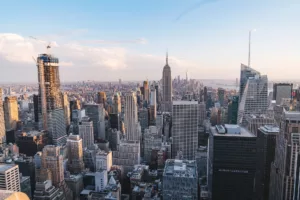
(50, 102)
(233, 108)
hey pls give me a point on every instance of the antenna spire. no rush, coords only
(167, 57)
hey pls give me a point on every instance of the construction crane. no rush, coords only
(48, 46)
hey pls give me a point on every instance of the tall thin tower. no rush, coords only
(2, 124)
(131, 117)
(50, 102)
(167, 87)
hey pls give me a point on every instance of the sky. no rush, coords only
(111, 39)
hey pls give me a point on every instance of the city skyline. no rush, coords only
(106, 40)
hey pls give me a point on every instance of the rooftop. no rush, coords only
(291, 115)
(5, 167)
(269, 129)
(227, 131)
(184, 103)
(180, 168)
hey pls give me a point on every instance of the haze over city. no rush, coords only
(108, 40)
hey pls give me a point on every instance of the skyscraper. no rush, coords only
(66, 109)
(167, 87)
(152, 105)
(75, 154)
(185, 120)
(50, 102)
(11, 112)
(266, 142)
(282, 90)
(9, 177)
(97, 115)
(221, 96)
(101, 98)
(146, 91)
(231, 163)
(131, 117)
(86, 132)
(2, 123)
(246, 73)
(286, 151)
(53, 161)
(233, 108)
(116, 104)
(254, 99)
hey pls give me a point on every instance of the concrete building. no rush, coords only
(180, 180)
(185, 118)
(45, 190)
(53, 160)
(266, 142)
(143, 117)
(11, 112)
(201, 160)
(224, 163)
(114, 138)
(75, 183)
(152, 140)
(86, 132)
(131, 117)
(287, 147)
(153, 106)
(103, 160)
(167, 88)
(9, 177)
(101, 98)
(127, 155)
(202, 113)
(254, 99)
(116, 104)
(50, 102)
(75, 154)
(282, 90)
(146, 91)
(31, 142)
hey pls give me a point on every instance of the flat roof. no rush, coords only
(269, 129)
(185, 102)
(243, 133)
(4, 167)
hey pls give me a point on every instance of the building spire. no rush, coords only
(167, 58)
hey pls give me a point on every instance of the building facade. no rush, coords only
(86, 132)
(282, 90)
(75, 154)
(131, 117)
(246, 73)
(167, 88)
(9, 177)
(11, 112)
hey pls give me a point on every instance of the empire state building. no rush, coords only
(167, 88)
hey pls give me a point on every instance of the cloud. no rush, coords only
(83, 62)
(136, 41)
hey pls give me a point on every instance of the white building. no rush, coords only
(9, 177)
(103, 160)
(86, 132)
(254, 99)
(185, 120)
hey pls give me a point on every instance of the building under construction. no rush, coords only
(50, 102)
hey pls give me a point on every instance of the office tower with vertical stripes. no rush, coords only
(11, 112)
(246, 73)
(86, 132)
(131, 117)
(50, 102)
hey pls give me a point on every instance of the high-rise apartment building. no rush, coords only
(86, 132)
(116, 108)
(167, 88)
(266, 142)
(131, 117)
(286, 151)
(146, 91)
(9, 177)
(231, 163)
(282, 90)
(254, 99)
(66, 109)
(103, 160)
(101, 98)
(2, 122)
(11, 112)
(185, 120)
(50, 102)
(75, 154)
(180, 180)
(246, 73)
